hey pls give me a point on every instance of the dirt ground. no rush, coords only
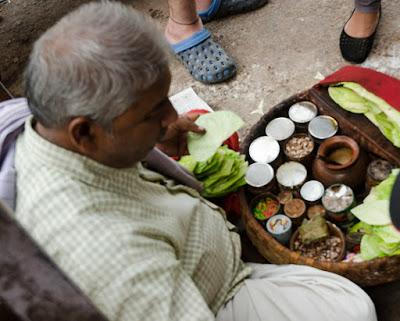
(281, 49)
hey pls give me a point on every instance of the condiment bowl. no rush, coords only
(333, 230)
(260, 197)
(301, 158)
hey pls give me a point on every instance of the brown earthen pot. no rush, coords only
(351, 173)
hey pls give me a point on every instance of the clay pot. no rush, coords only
(351, 173)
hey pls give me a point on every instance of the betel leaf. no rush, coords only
(373, 212)
(348, 99)
(381, 238)
(188, 162)
(356, 99)
(221, 174)
(219, 125)
(313, 230)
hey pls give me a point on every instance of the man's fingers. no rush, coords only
(187, 123)
(196, 129)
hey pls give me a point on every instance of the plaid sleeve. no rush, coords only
(128, 276)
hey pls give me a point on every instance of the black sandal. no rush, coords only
(356, 50)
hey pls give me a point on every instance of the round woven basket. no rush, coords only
(367, 273)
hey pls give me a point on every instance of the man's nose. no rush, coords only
(169, 116)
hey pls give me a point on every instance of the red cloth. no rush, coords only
(383, 86)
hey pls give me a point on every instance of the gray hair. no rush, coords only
(94, 62)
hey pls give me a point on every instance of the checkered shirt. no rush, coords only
(140, 246)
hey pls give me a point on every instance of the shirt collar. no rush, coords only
(81, 167)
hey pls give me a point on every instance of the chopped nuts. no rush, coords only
(299, 146)
(327, 250)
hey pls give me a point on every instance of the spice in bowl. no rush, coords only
(285, 196)
(326, 250)
(316, 210)
(377, 172)
(265, 207)
(295, 209)
(318, 239)
(299, 147)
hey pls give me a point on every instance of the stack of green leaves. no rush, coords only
(220, 174)
(356, 99)
(380, 237)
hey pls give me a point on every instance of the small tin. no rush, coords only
(284, 197)
(264, 206)
(323, 127)
(280, 227)
(295, 209)
(291, 175)
(302, 113)
(338, 199)
(299, 148)
(260, 178)
(312, 191)
(377, 172)
(264, 149)
(280, 128)
(316, 210)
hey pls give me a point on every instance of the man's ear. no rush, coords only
(83, 134)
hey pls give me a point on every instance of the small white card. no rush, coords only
(187, 100)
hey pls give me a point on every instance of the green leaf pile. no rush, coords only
(220, 174)
(219, 125)
(380, 238)
(356, 99)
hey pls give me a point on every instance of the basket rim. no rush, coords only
(366, 273)
(251, 221)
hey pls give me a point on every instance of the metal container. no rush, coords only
(295, 209)
(323, 127)
(280, 128)
(263, 206)
(291, 175)
(377, 172)
(285, 196)
(338, 200)
(302, 113)
(316, 210)
(312, 191)
(280, 227)
(264, 149)
(260, 178)
(299, 148)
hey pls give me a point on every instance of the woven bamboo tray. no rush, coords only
(367, 273)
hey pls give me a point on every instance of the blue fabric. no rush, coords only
(211, 11)
(192, 41)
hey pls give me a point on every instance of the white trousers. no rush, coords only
(297, 293)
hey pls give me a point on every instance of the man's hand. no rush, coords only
(174, 142)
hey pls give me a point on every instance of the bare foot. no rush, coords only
(362, 24)
(175, 32)
(203, 5)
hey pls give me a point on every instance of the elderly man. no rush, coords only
(140, 245)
